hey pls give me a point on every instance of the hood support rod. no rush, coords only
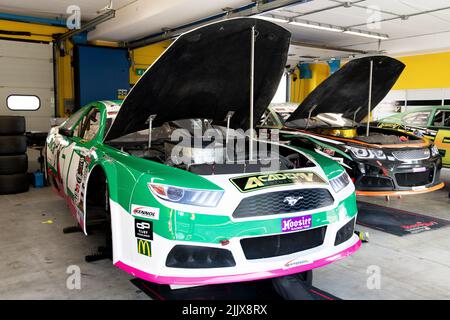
(354, 113)
(150, 127)
(252, 87)
(309, 115)
(228, 119)
(369, 104)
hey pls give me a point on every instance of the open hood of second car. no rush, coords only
(348, 88)
(205, 73)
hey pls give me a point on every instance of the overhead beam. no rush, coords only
(255, 8)
(326, 47)
(91, 24)
(405, 17)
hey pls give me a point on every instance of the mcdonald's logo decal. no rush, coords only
(144, 247)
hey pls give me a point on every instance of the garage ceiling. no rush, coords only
(57, 9)
(425, 26)
(417, 32)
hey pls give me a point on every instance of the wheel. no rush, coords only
(13, 145)
(12, 125)
(294, 286)
(13, 164)
(14, 183)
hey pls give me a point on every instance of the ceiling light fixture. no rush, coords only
(319, 26)
(274, 19)
(367, 34)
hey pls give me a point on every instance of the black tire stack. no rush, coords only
(13, 156)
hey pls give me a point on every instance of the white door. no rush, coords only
(26, 72)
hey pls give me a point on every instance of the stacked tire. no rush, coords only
(13, 156)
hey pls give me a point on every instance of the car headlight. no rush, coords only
(434, 151)
(365, 153)
(194, 197)
(340, 182)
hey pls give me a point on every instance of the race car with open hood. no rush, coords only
(381, 162)
(185, 211)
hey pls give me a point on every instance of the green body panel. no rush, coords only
(440, 135)
(331, 168)
(187, 226)
(320, 143)
(128, 179)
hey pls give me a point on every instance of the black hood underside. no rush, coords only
(348, 89)
(205, 73)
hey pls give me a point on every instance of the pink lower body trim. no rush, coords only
(239, 277)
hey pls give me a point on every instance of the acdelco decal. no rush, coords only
(255, 182)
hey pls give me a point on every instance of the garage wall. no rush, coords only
(142, 58)
(425, 71)
(27, 69)
(426, 78)
(300, 88)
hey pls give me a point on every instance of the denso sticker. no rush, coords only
(145, 212)
(296, 223)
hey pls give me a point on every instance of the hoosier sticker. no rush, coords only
(256, 182)
(297, 223)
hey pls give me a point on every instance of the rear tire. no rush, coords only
(13, 164)
(14, 183)
(13, 145)
(12, 125)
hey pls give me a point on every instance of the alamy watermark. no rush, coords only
(73, 21)
(73, 281)
(373, 21)
(215, 147)
(374, 279)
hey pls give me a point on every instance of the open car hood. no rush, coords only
(205, 73)
(348, 89)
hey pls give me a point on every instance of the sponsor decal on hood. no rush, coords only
(261, 181)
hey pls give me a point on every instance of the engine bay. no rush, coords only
(197, 146)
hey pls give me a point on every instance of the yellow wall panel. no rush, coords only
(142, 58)
(302, 87)
(425, 71)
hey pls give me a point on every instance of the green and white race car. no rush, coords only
(176, 213)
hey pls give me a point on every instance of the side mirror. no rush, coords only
(66, 132)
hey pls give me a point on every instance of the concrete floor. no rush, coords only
(35, 255)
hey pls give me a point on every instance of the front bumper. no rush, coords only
(355, 244)
(393, 177)
(154, 268)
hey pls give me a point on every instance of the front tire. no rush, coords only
(294, 286)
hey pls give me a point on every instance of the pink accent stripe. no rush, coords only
(320, 294)
(239, 277)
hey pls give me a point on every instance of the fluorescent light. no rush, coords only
(367, 35)
(274, 19)
(316, 26)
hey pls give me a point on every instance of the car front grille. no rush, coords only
(283, 202)
(414, 179)
(282, 244)
(374, 183)
(412, 154)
